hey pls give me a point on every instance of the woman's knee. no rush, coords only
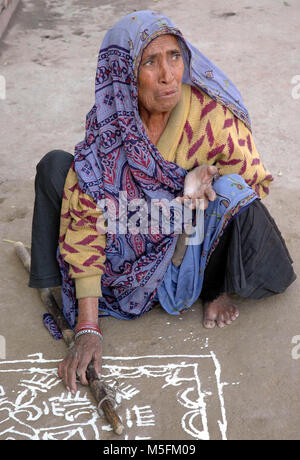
(54, 162)
(55, 159)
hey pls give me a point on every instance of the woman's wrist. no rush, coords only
(88, 310)
(87, 322)
(89, 331)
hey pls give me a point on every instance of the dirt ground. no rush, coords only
(174, 379)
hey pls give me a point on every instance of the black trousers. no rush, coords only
(50, 178)
(251, 258)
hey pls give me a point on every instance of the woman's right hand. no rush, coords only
(86, 349)
(198, 186)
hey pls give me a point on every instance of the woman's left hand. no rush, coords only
(85, 350)
(198, 186)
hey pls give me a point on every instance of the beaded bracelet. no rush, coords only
(89, 331)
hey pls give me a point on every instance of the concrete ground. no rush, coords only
(176, 380)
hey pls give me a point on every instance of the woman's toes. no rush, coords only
(221, 320)
(235, 314)
(228, 320)
(220, 312)
(209, 323)
(221, 323)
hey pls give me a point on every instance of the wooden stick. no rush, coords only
(96, 385)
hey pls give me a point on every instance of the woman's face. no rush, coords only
(160, 75)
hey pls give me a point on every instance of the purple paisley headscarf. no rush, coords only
(117, 155)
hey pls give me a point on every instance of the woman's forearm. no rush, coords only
(88, 310)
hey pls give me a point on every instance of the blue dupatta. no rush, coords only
(117, 154)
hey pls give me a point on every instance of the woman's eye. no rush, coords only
(176, 56)
(148, 63)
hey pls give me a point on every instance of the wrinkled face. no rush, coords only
(160, 75)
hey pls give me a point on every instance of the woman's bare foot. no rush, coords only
(221, 312)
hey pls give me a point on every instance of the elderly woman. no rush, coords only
(166, 124)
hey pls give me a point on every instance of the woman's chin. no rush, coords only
(167, 104)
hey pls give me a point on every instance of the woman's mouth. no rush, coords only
(166, 94)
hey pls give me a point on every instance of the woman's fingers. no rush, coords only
(98, 362)
(210, 193)
(67, 372)
(212, 170)
(89, 346)
(198, 185)
(81, 372)
(193, 203)
(71, 376)
(200, 201)
(185, 199)
(86, 349)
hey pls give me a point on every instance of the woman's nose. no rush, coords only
(166, 73)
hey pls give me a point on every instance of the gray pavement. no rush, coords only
(176, 379)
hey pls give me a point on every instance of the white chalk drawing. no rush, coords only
(158, 397)
(296, 349)
(2, 87)
(296, 90)
(2, 347)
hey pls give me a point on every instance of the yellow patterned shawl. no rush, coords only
(202, 131)
(199, 131)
